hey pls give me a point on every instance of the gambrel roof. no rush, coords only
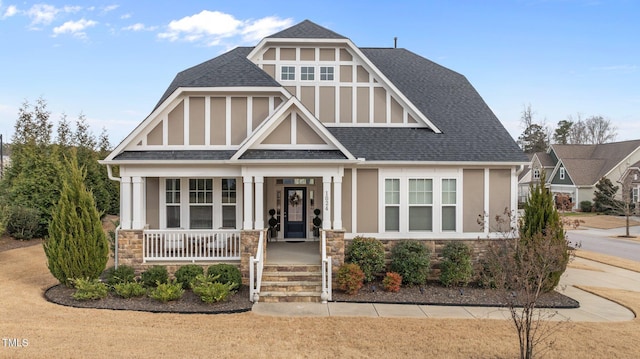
(460, 127)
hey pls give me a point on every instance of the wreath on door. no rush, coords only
(294, 199)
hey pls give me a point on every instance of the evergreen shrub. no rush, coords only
(154, 276)
(350, 278)
(122, 274)
(89, 289)
(166, 292)
(411, 259)
(368, 254)
(456, 268)
(22, 222)
(129, 289)
(227, 273)
(187, 273)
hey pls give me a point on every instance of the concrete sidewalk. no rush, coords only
(592, 308)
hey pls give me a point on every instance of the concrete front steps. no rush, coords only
(291, 283)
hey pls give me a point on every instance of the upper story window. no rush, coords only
(307, 73)
(288, 73)
(561, 173)
(200, 203)
(326, 73)
(536, 173)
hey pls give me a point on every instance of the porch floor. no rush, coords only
(293, 253)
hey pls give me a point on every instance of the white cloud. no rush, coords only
(71, 9)
(42, 14)
(125, 16)
(139, 27)
(11, 10)
(75, 28)
(257, 30)
(110, 8)
(212, 27)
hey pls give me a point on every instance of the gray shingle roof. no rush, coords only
(231, 69)
(586, 164)
(471, 132)
(198, 155)
(307, 30)
(292, 155)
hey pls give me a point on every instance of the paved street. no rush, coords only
(604, 241)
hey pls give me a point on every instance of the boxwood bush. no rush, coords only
(227, 273)
(411, 259)
(368, 254)
(122, 274)
(187, 273)
(456, 268)
(154, 275)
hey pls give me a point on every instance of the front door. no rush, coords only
(295, 212)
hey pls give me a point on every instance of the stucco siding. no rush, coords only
(196, 120)
(367, 207)
(363, 104)
(260, 110)
(347, 198)
(218, 120)
(238, 119)
(152, 202)
(346, 103)
(499, 192)
(176, 125)
(473, 199)
(155, 136)
(327, 104)
(281, 134)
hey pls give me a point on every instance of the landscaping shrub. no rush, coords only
(120, 275)
(166, 292)
(392, 282)
(186, 274)
(411, 259)
(154, 275)
(129, 289)
(456, 268)
(368, 254)
(227, 273)
(89, 289)
(22, 222)
(77, 246)
(210, 290)
(350, 278)
(586, 206)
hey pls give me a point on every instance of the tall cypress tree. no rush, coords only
(541, 222)
(77, 246)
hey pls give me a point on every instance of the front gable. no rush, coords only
(292, 128)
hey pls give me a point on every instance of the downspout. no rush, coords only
(115, 254)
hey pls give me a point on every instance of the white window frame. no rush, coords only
(287, 73)
(428, 204)
(326, 75)
(205, 203)
(449, 205)
(305, 75)
(562, 175)
(536, 173)
(392, 204)
(435, 174)
(635, 194)
(224, 204)
(163, 195)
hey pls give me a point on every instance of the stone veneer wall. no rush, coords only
(335, 248)
(479, 249)
(248, 247)
(130, 249)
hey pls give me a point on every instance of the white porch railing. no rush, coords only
(190, 245)
(256, 264)
(325, 295)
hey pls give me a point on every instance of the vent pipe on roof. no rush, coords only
(395, 42)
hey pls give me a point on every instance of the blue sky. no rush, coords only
(113, 60)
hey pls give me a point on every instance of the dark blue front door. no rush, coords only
(295, 212)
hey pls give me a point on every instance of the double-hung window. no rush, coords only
(392, 204)
(420, 204)
(229, 203)
(201, 203)
(449, 204)
(635, 194)
(288, 73)
(561, 173)
(326, 73)
(172, 195)
(307, 73)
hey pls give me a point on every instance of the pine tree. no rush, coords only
(77, 246)
(541, 222)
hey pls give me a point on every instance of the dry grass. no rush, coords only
(591, 220)
(54, 331)
(610, 260)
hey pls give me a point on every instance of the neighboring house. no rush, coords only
(631, 180)
(538, 162)
(576, 169)
(383, 142)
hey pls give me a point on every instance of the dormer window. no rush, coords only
(561, 173)
(288, 73)
(307, 73)
(326, 73)
(536, 173)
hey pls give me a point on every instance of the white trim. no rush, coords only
(354, 200)
(227, 119)
(185, 122)
(248, 202)
(137, 204)
(259, 200)
(125, 202)
(326, 202)
(337, 202)
(207, 120)
(487, 199)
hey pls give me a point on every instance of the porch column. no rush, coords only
(248, 202)
(137, 208)
(337, 202)
(125, 202)
(259, 180)
(326, 202)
